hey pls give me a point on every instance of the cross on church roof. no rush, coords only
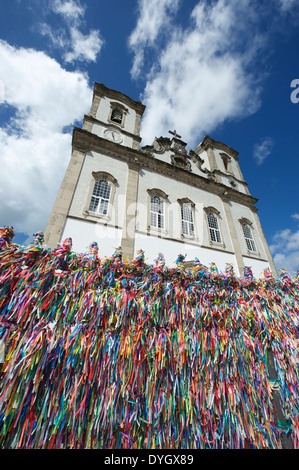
(174, 133)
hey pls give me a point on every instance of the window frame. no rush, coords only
(187, 202)
(163, 197)
(157, 215)
(102, 199)
(112, 182)
(249, 225)
(214, 232)
(217, 215)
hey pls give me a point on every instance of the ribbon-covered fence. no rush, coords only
(110, 353)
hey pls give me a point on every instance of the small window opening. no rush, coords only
(116, 116)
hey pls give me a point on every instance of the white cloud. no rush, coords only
(76, 45)
(287, 240)
(295, 216)
(70, 9)
(154, 18)
(34, 149)
(288, 262)
(287, 5)
(200, 79)
(84, 47)
(2, 91)
(285, 249)
(262, 150)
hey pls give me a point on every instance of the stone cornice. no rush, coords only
(101, 90)
(85, 141)
(229, 194)
(231, 176)
(209, 142)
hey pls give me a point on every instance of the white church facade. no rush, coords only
(158, 198)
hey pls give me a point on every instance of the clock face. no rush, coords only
(113, 135)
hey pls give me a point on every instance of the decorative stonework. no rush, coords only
(198, 162)
(180, 161)
(211, 209)
(179, 157)
(161, 144)
(243, 220)
(158, 192)
(186, 200)
(148, 150)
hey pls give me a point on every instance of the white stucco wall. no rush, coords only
(177, 190)
(83, 233)
(99, 130)
(226, 179)
(109, 238)
(256, 266)
(170, 249)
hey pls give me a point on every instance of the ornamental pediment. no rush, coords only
(176, 153)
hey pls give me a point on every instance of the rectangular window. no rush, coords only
(100, 197)
(187, 220)
(213, 228)
(250, 244)
(248, 237)
(157, 212)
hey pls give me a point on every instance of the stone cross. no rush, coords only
(174, 133)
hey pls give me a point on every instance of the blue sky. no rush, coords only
(227, 68)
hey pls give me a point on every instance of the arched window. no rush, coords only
(226, 162)
(100, 198)
(117, 113)
(187, 220)
(213, 227)
(248, 237)
(116, 116)
(157, 212)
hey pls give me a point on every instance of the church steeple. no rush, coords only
(224, 163)
(114, 116)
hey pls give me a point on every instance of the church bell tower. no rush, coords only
(98, 184)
